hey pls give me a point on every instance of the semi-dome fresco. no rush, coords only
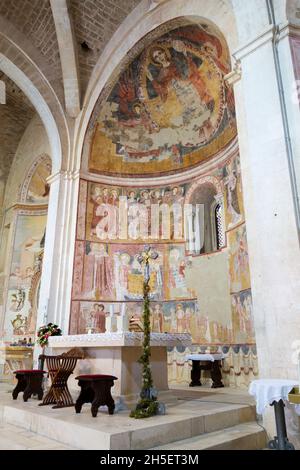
(169, 110)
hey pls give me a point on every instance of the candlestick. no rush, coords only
(123, 310)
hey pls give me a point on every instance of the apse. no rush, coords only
(169, 109)
(161, 150)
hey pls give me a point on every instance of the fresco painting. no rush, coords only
(169, 109)
(93, 271)
(37, 190)
(238, 260)
(100, 195)
(242, 317)
(165, 317)
(25, 272)
(177, 286)
(112, 272)
(107, 274)
(129, 276)
(234, 209)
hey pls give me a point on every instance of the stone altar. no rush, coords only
(117, 354)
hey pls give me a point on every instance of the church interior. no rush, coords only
(149, 191)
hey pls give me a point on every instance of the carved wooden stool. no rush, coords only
(60, 368)
(95, 389)
(29, 382)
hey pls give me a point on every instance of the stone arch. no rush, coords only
(26, 66)
(139, 23)
(209, 190)
(39, 103)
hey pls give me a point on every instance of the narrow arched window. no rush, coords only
(220, 236)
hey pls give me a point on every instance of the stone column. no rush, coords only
(288, 39)
(56, 283)
(271, 208)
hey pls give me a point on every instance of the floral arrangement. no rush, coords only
(45, 331)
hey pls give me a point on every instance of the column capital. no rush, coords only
(63, 174)
(235, 75)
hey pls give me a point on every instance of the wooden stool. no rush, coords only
(29, 382)
(95, 389)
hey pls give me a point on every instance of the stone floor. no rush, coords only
(17, 438)
(202, 419)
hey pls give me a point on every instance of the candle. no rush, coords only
(123, 310)
(111, 310)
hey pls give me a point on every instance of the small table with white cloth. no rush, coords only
(274, 392)
(211, 362)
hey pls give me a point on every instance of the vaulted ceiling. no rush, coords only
(92, 24)
(95, 21)
(15, 116)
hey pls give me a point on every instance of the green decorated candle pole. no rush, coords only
(148, 404)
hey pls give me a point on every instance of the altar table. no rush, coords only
(117, 354)
(274, 392)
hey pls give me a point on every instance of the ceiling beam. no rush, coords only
(68, 57)
(2, 93)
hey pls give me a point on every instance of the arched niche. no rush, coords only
(206, 194)
(25, 244)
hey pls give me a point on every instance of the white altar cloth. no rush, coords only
(205, 357)
(266, 391)
(127, 338)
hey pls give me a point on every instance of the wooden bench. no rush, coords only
(29, 382)
(95, 389)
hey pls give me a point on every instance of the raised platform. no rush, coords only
(118, 354)
(197, 415)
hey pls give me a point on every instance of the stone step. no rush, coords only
(187, 419)
(246, 436)
(121, 432)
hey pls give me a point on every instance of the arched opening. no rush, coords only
(208, 214)
(162, 134)
(25, 167)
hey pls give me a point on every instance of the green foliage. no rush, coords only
(147, 406)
